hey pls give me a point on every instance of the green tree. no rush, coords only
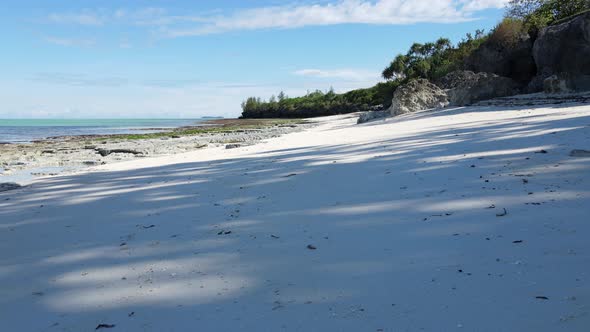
(536, 14)
(432, 60)
(522, 9)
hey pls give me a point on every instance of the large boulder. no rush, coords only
(466, 87)
(508, 59)
(564, 50)
(417, 95)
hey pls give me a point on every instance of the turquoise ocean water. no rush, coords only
(27, 130)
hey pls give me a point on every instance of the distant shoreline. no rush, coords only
(21, 162)
(203, 127)
(14, 131)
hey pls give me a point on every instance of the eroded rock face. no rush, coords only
(417, 95)
(564, 50)
(466, 87)
(514, 61)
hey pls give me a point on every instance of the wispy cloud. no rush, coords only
(91, 19)
(380, 12)
(477, 5)
(341, 74)
(170, 83)
(70, 41)
(125, 44)
(78, 80)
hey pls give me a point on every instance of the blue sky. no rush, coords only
(162, 59)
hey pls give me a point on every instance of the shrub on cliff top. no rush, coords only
(537, 14)
(508, 32)
(432, 60)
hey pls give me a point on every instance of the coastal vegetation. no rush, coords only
(537, 14)
(319, 103)
(429, 60)
(432, 61)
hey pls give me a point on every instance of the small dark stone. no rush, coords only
(104, 326)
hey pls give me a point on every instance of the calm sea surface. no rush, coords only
(27, 130)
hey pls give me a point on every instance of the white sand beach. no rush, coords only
(471, 219)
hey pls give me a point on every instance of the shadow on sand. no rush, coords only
(405, 231)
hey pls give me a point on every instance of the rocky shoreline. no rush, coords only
(20, 163)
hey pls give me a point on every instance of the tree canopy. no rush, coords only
(537, 14)
(432, 60)
(319, 103)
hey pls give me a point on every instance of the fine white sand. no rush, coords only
(434, 221)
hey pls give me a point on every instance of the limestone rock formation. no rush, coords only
(466, 87)
(417, 95)
(514, 60)
(564, 50)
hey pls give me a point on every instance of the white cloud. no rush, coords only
(382, 12)
(77, 18)
(70, 41)
(341, 74)
(476, 5)
(78, 80)
(97, 100)
(87, 95)
(125, 44)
